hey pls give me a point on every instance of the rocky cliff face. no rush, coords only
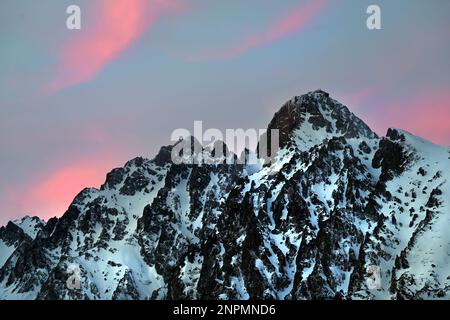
(339, 214)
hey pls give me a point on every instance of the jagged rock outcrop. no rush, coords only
(339, 213)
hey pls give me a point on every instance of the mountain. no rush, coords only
(340, 214)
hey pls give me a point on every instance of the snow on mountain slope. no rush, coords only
(96, 236)
(337, 201)
(411, 246)
(17, 232)
(432, 242)
(30, 225)
(5, 252)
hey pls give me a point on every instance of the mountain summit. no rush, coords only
(315, 116)
(340, 214)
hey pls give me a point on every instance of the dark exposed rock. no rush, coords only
(136, 182)
(126, 289)
(113, 178)
(311, 226)
(164, 156)
(390, 157)
(364, 147)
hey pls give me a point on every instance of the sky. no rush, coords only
(76, 103)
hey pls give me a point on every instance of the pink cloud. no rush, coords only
(50, 192)
(95, 148)
(422, 114)
(428, 116)
(357, 99)
(118, 24)
(288, 24)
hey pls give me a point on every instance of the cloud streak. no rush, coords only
(422, 114)
(119, 23)
(288, 24)
(50, 193)
(427, 116)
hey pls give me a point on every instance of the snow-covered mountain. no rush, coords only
(341, 213)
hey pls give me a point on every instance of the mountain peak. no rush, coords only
(30, 225)
(319, 92)
(309, 119)
(163, 157)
